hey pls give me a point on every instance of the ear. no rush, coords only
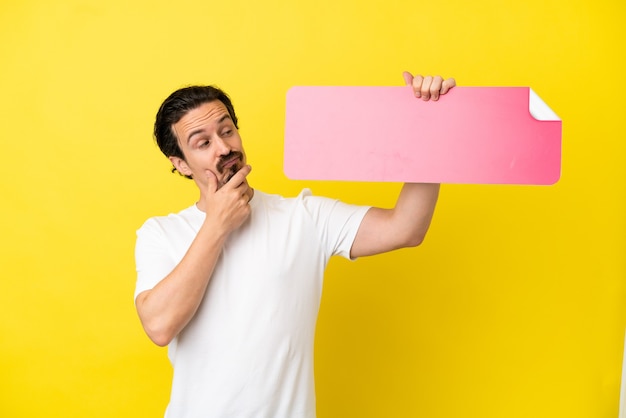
(180, 165)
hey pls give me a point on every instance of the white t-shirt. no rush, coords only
(248, 351)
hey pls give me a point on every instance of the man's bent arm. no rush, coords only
(165, 309)
(168, 307)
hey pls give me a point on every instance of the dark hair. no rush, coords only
(176, 106)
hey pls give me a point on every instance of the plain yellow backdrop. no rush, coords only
(513, 307)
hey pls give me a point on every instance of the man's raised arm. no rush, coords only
(406, 224)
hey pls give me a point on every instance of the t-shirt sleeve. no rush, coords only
(152, 260)
(336, 222)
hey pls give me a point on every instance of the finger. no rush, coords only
(408, 78)
(417, 85)
(212, 179)
(447, 85)
(435, 87)
(425, 90)
(239, 177)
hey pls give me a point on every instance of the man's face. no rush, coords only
(209, 141)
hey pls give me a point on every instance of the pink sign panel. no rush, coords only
(479, 135)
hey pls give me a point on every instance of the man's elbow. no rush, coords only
(160, 335)
(414, 240)
(157, 328)
(156, 325)
(161, 341)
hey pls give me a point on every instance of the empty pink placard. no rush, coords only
(479, 135)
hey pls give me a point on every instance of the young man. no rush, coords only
(233, 283)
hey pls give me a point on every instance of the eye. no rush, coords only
(203, 143)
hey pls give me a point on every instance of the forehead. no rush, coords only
(203, 117)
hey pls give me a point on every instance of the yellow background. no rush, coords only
(513, 307)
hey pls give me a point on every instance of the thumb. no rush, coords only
(212, 180)
(408, 78)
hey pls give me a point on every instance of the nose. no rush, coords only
(221, 146)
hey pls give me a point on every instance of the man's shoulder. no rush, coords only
(304, 202)
(189, 215)
(264, 195)
(302, 199)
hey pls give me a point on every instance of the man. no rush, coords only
(233, 283)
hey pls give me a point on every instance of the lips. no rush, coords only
(229, 161)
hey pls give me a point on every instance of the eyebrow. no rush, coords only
(201, 130)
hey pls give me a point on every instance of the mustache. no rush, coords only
(228, 157)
